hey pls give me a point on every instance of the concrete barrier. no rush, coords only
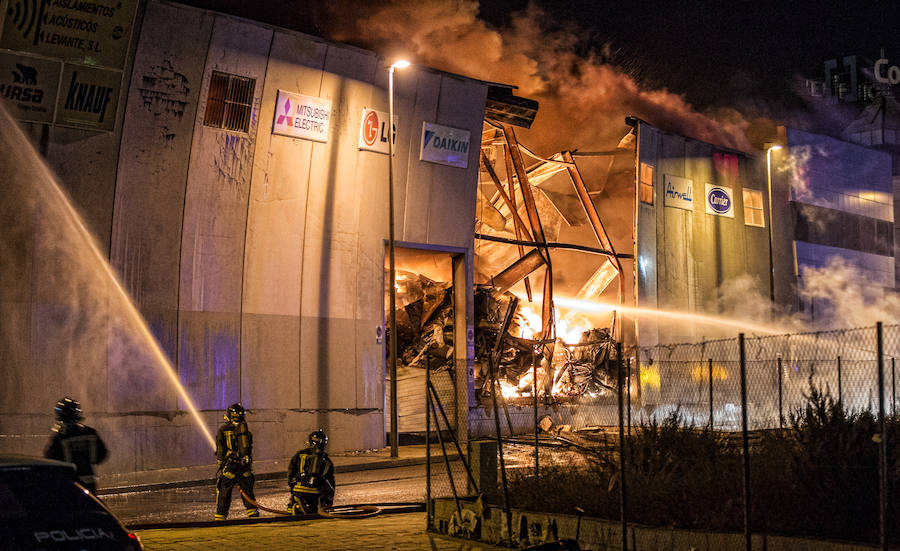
(487, 523)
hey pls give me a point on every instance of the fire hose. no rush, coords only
(356, 511)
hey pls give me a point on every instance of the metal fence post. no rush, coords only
(882, 446)
(628, 395)
(840, 382)
(429, 509)
(534, 390)
(746, 444)
(780, 394)
(711, 425)
(893, 386)
(622, 495)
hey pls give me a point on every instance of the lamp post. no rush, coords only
(769, 151)
(395, 436)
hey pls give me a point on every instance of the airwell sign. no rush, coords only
(679, 192)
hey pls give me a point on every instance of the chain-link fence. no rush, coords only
(446, 396)
(781, 434)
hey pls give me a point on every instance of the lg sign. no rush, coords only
(890, 75)
(373, 132)
(371, 128)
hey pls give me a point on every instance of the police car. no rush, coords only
(43, 508)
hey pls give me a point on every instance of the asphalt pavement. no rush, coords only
(361, 477)
(395, 532)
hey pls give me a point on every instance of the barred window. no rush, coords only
(229, 102)
(753, 208)
(646, 192)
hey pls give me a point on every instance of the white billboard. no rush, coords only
(373, 132)
(444, 145)
(303, 117)
(679, 192)
(719, 201)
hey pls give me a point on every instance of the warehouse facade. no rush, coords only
(238, 182)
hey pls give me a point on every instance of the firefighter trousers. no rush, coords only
(225, 484)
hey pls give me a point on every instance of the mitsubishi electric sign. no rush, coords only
(444, 145)
(679, 192)
(719, 201)
(303, 117)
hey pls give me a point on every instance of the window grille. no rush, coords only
(229, 102)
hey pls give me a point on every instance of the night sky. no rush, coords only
(715, 53)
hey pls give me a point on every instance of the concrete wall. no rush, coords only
(256, 259)
(685, 257)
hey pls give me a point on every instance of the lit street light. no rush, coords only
(395, 437)
(769, 151)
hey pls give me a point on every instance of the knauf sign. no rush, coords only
(679, 192)
(719, 201)
(300, 116)
(444, 145)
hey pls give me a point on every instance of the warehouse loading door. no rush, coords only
(426, 334)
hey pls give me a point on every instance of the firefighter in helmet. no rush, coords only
(234, 454)
(311, 477)
(75, 442)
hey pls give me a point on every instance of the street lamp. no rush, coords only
(395, 437)
(769, 151)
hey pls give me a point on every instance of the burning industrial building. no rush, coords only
(531, 223)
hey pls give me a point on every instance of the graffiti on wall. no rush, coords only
(164, 91)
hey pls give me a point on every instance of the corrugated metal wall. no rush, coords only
(257, 259)
(685, 257)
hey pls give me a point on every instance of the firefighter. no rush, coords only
(76, 443)
(311, 477)
(234, 454)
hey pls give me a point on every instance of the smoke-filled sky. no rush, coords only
(717, 71)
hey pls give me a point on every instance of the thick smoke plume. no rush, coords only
(583, 100)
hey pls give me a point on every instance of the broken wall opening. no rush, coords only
(545, 260)
(430, 320)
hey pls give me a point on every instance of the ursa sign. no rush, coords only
(719, 201)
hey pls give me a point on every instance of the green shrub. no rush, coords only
(817, 477)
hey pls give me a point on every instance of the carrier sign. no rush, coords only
(300, 116)
(444, 145)
(679, 192)
(719, 201)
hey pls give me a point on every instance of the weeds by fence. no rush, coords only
(790, 434)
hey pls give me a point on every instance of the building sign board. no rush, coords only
(28, 86)
(373, 133)
(679, 192)
(719, 200)
(88, 97)
(93, 32)
(300, 116)
(887, 75)
(444, 145)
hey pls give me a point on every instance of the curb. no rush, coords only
(390, 509)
